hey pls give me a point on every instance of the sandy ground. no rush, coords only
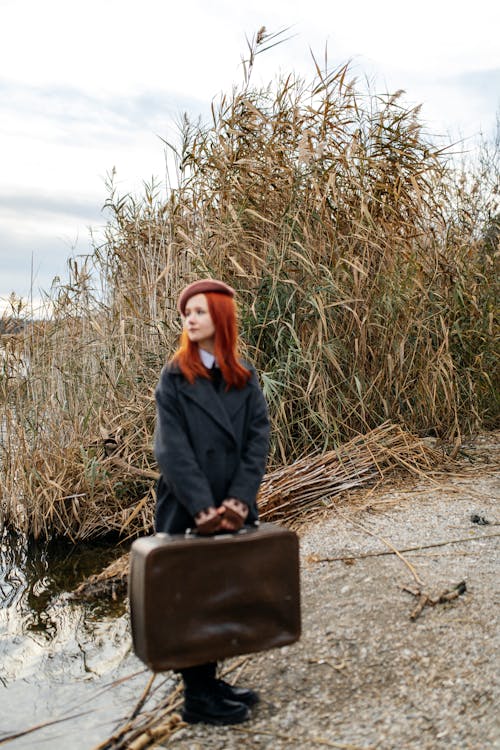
(364, 674)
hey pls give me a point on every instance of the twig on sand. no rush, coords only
(426, 600)
(388, 544)
(416, 548)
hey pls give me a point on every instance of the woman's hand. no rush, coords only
(230, 516)
(208, 521)
(234, 514)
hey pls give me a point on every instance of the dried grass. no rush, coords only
(365, 270)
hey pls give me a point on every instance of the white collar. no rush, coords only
(207, 359)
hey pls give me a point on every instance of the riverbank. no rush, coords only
(364, 674)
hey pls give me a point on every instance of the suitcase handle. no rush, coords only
(244, 530)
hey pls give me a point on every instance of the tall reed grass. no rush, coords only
(366, 266)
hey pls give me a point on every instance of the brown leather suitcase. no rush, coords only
(195, 599)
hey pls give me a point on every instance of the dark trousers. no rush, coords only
(200, 676)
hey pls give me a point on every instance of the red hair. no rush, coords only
(222, 310)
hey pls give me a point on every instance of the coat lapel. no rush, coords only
(204, 395)
(233, 400)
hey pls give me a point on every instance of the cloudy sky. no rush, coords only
(89, 87)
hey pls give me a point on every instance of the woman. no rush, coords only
(211, 444)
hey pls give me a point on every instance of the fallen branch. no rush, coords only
(381, 553)
(426, 600)
(388, 544)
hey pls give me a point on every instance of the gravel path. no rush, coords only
(364, 675)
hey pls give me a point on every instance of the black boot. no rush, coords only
(203, 702)
(210, 707)
(233, 693)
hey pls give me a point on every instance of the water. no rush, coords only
(59, 657)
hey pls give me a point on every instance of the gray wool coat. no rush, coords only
(210, 445)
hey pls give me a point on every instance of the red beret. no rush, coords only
(201, 287)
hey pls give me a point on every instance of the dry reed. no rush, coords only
(365, 271)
